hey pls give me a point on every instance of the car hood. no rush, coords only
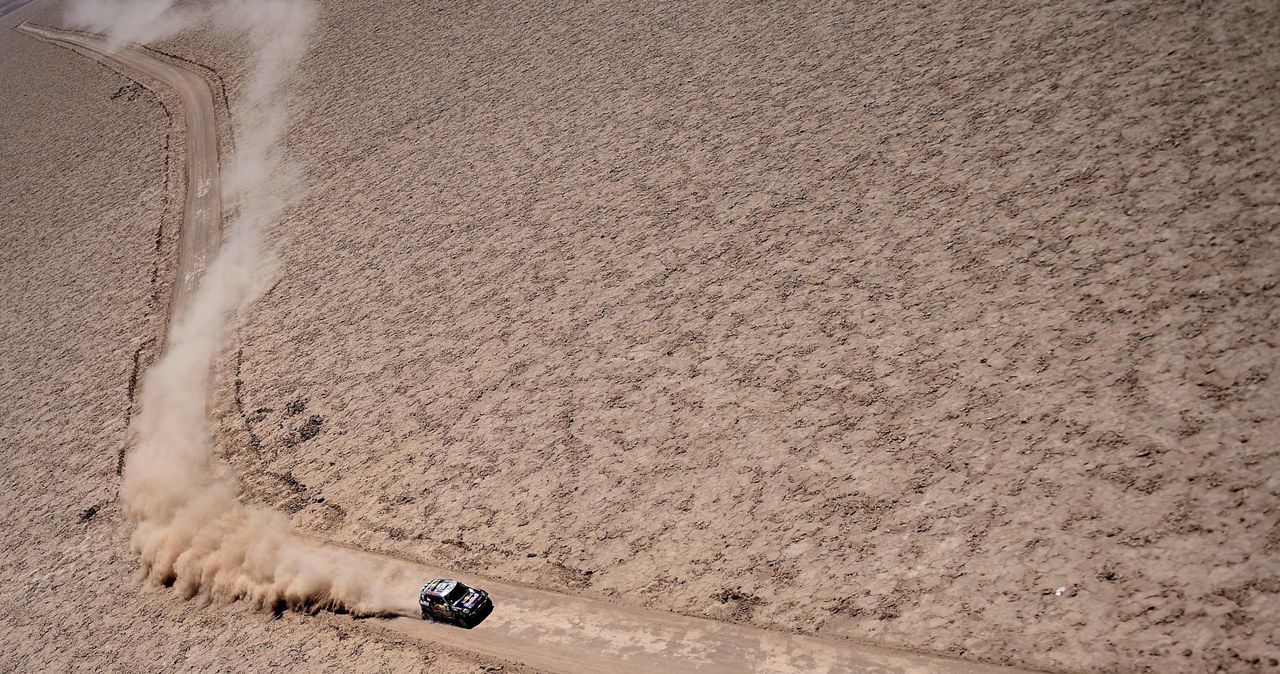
(471, 599)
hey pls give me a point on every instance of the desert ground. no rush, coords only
(948, 327)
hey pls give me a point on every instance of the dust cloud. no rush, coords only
(192, 531)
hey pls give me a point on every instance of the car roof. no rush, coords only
(439, 587)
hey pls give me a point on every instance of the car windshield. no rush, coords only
(456, 593)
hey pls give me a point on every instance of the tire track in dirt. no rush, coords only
(544, 629)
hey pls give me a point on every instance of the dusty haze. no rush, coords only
(192, 531)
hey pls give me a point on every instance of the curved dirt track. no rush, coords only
(202, 208)
(543, 629)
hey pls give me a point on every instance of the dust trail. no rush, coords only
(191, 529)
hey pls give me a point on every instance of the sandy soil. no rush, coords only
(943, 326)
(84, 188)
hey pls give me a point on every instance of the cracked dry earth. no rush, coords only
(948, 326)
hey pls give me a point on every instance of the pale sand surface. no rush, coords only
(883, 321)
(562, 632)
(83, 190)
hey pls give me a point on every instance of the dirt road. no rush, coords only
(202, 210)
(547, 630)
(563, 633)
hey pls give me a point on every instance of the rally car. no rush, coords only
(447, 599)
